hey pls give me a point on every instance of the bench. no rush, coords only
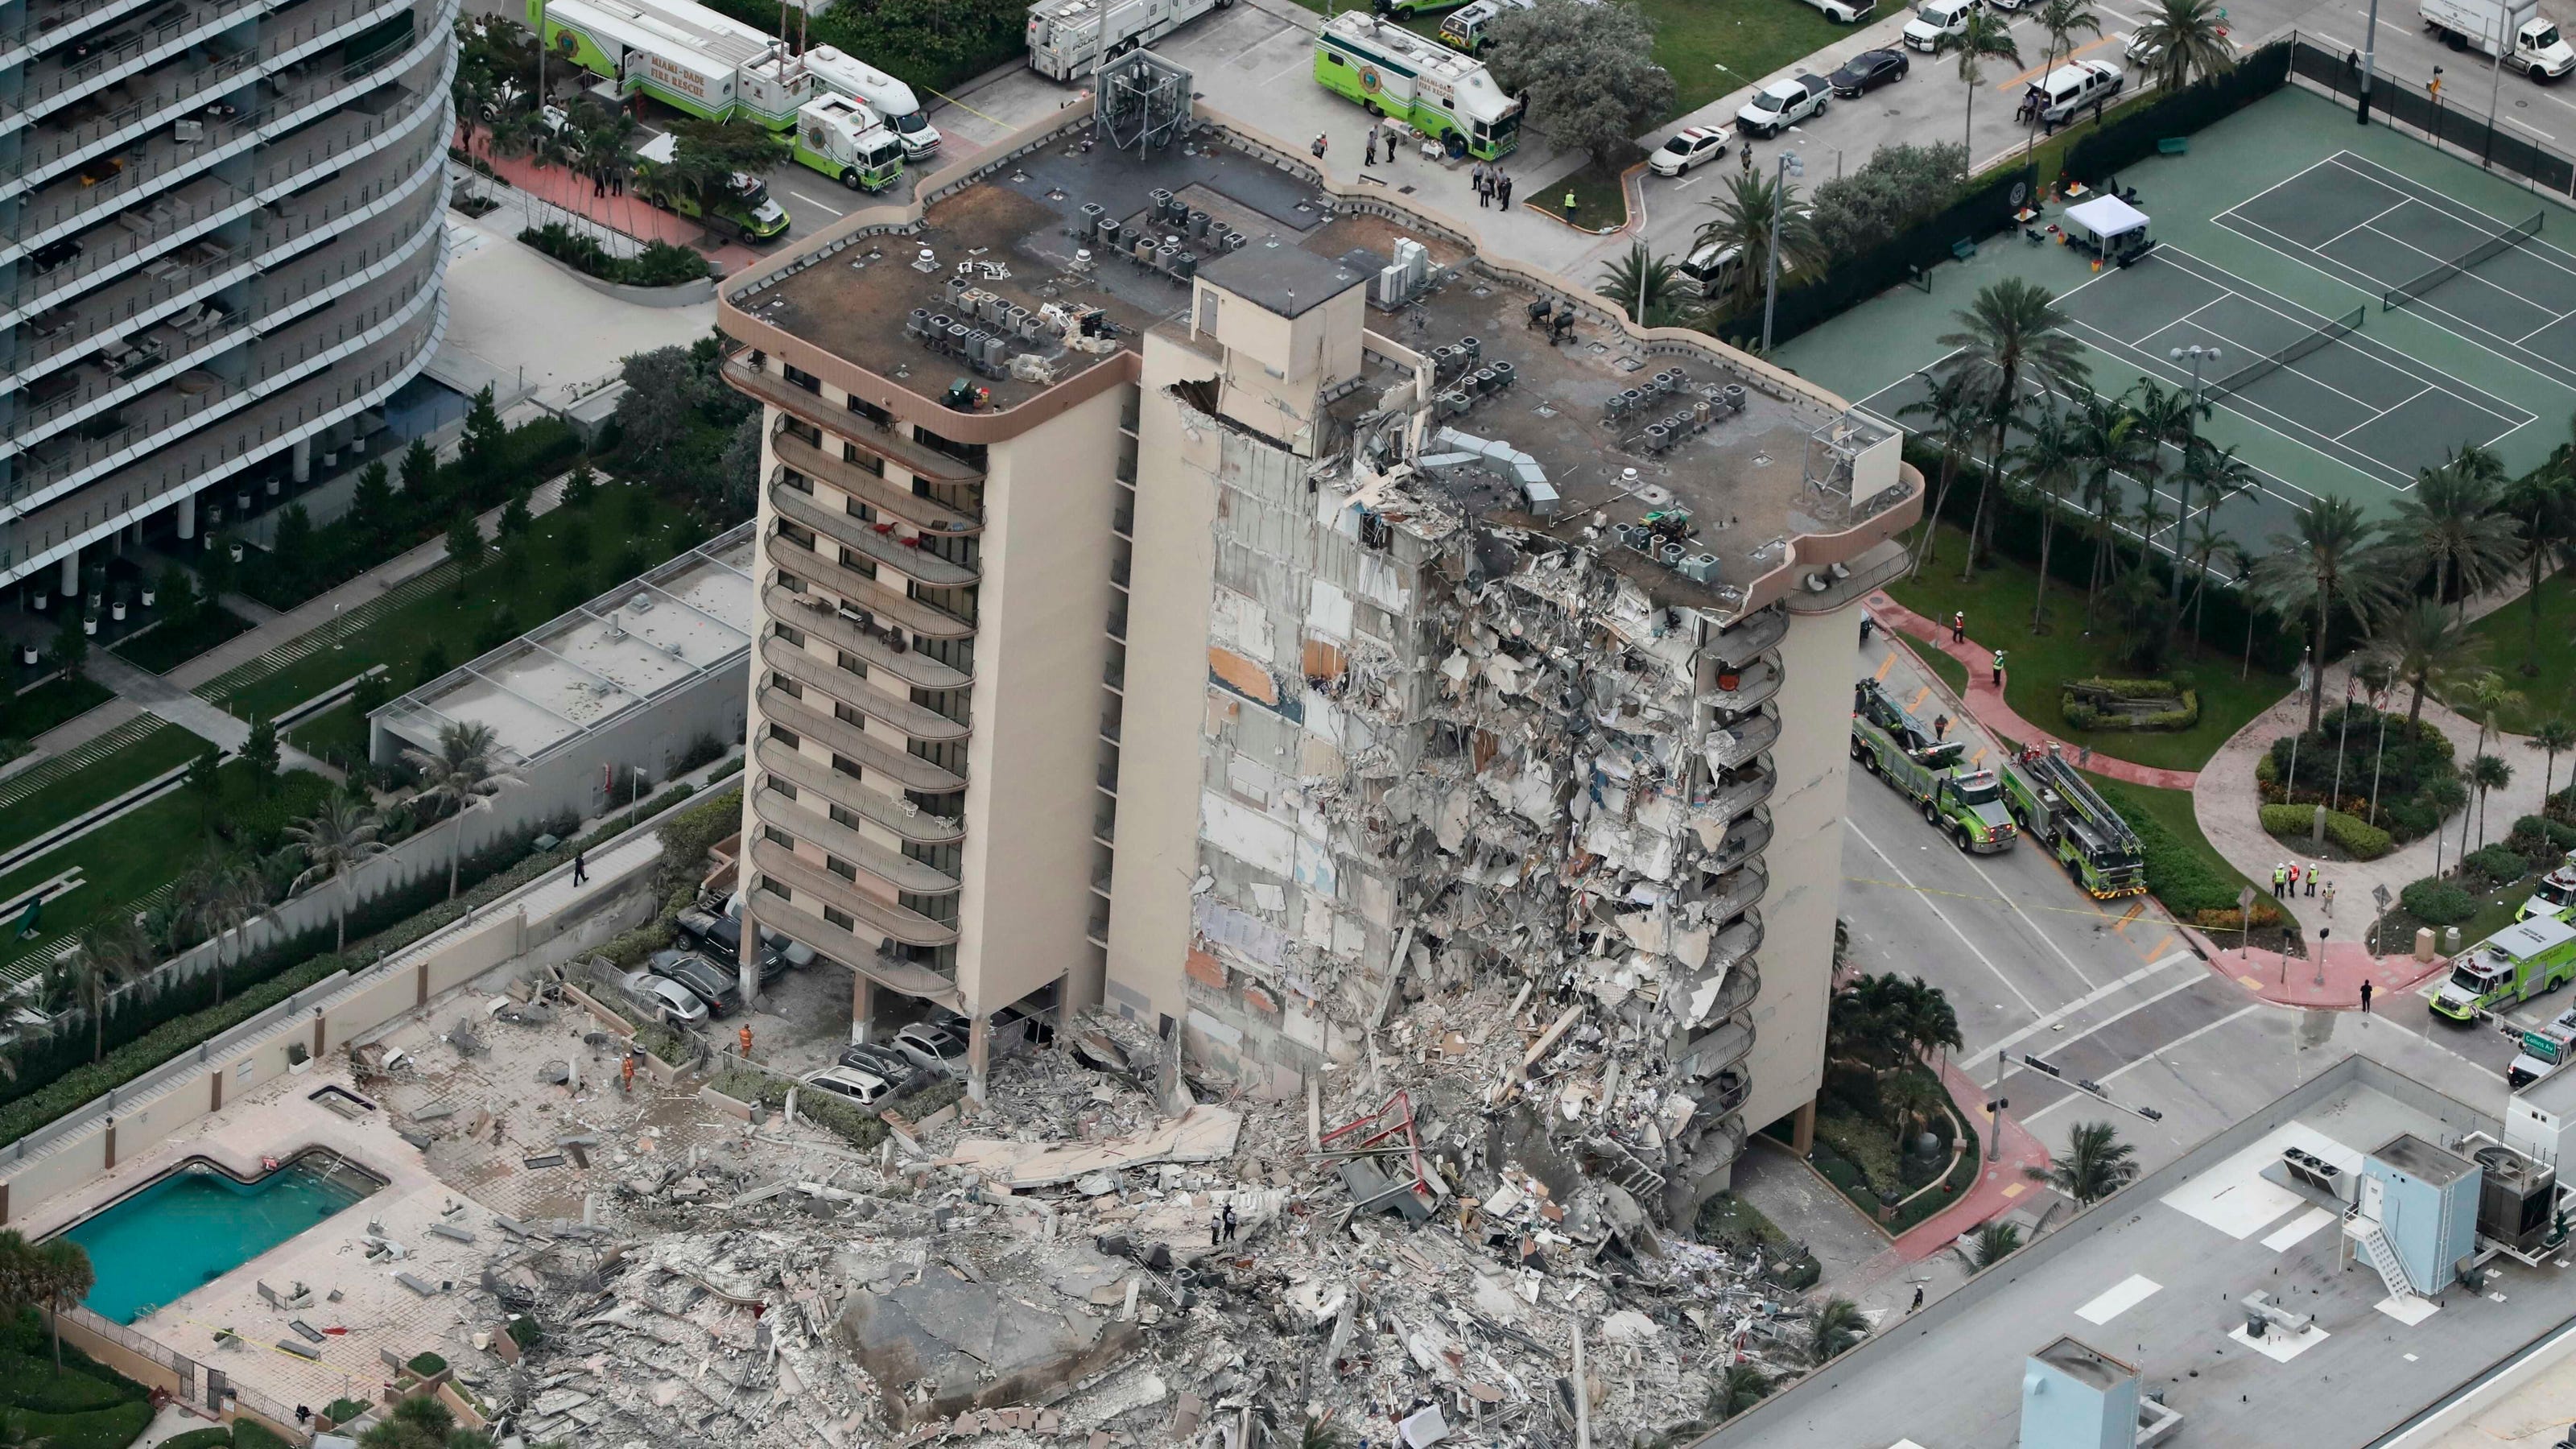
(2174, 145)
(1963, 248)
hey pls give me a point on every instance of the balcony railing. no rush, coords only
(898, 711)
(898, 871)
(841, 737)
(57, 25)
(171, 223)
(884, 441)
(163, 38)
(864, 593)
(928, 514)
(881, 918)
(874, 541)
(916, 825)
(1749, 640)
(816, 615)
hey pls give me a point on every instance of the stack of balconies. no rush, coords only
(220, 234)
(1113, 679)
(858, 603)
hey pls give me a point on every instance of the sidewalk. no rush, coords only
(630, 214)
(2292, 980)
(2002, 1185)
(1985, 703)
(155, 693)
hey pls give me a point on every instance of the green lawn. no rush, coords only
(164, 747)
(336, 734)
(1710, 46)
(56, 701)
(173, 642)
(545, 583)
(2209, 876)
(81, 1406)
(1998, 604)
(1601, 203)
(2551, 690)
(1951, 671)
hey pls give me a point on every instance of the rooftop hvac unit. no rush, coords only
(958, 332)
(1110, 228)
(1454, 402)
(1541, 497)
(1504, 373)
(917, 322)
(1414, 258)
(1617, 405)
(642, 603)
(1162, 199)
(1733, 393)
(1681, 377)
(2515, 1195)
(1474, 347)
(1092, 212)
(1700, 568)
(1163, 255)
(1234, 241)
(1186, 265)
(1198, 223)
(1389, 289)
(955, 287)
(1658, 437)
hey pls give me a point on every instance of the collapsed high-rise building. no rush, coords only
(1198, 589)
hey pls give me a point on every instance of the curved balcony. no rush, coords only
(57, 25)
(1743, 983)
(911, 978)
(140, 301)
(1737, 891)
(880, 548)
(1729, 798)
(1738, 743)
(1714, 1052)
(1714, 1147)
(52, 80)
(865, 594)
(916, 825)
(1743, 840)
(875, 917)
(815, 615)
(1724, 1093)
(927, 725)
(211, 454)
(900, 872)
(177, 88)
(323, 112)
(914, 458)
(927, 514)
(829, 730)
(1753, 688)
(306, 348)
(185, 343)
(1749, 640)
(170, 241)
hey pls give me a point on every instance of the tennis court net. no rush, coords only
(2332, 332)
(2494, 246)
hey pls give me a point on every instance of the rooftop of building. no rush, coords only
(2155, 1275)
(585, 668)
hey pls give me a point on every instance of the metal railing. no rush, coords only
(2403, 105)
(66, 24)
(100, 68)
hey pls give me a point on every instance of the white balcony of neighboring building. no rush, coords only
(47, 24)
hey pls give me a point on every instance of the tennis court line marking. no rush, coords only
(2463, 276)
(2367, 223)
(2357, 427)
(2356, 163)
(2547, 369)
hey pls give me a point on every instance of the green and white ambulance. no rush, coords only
(1391, 71)
(844, 140)
(2514, 965)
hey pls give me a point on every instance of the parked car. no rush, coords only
(850, 1084)
(1782, 104)
(1846, 12)
(718, 986)
(1689, 147)
(1936, 21)
(1868, 71)
(2067, 90)
(933, 1048)
(796, 954)
(883, 1060)
(720, 937)
(664, 999)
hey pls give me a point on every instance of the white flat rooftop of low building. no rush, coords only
(616, 653)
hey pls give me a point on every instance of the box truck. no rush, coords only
(1393, 72)
(1068, 39)
(844, 140)
(2531, 40)
(894, 103)
(741, 209)
(686, 56)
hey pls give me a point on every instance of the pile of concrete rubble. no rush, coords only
(1394, 1256)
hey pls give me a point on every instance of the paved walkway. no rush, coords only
(630, 215)
(156, 694)
(2296, 980)
(1985, 703)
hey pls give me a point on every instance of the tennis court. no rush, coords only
(2494, 280)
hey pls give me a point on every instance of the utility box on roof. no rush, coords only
(2426, 1202)
(2074, 1397)
(2540, 1120)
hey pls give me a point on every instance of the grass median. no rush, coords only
(159, 749)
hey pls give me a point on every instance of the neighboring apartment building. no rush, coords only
(1194, 590)
(223, 242)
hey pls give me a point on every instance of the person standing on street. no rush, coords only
(1918, 1299)
(1484, 189)
(2365, 996)
(1320, 145)
(580, 869)
(2312, 880)
(1502, 189)
(1959, 627)
(2329, 898)
(1747, 154)
(2280, 875)
(1999, 669)
(1570, 204)
(1371, 158)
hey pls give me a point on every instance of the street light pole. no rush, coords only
(2495, 83)
(2369, 62)
(1789, 166)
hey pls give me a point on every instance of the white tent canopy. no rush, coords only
(2105, 217)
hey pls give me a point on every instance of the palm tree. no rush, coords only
(1737, 1389)
(1993, 1243)
(463, 772)
(2545, 502)
(63, 1274)
(1836, 1326)
(238, 898)
(2422, 643)
(2061, 21)
(1643, 284)
(2108, 434)
(2097, 1164)
(1743, 224)
(1985, 36)
(2221, 477)
(2486, 700)
(1957, 417)
(1910, 1097)
(2329, 557)
(2011, 334)
(336, 841)
(112, 952)
(2443, 794)
(2488, 773)
(2450, 524)
(2188, 40)
(2165, 417)
(2049, 460)
(2553, 738)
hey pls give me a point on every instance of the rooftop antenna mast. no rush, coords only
(1142, 102)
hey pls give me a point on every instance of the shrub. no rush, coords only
(525, 1332)
(2189, 882)
(347, 1411)
(2500, 864)
(113, 1427)
(2437, 902)
(2349, 834)
(660, 264)
(214, 1438)
(2181, 711)
(427, 1365)
(2398, 773)
(252, 1434)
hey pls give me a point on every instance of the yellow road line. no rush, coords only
(970, 110)
(1919, 698)
(1885, 665)
(1977, 759)
(2136, 909)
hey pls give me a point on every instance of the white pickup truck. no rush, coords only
(2536, 49)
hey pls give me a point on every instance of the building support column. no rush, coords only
(187, 508)
(979, 1052)
(863, 1007)
(303, 458)
(70, 578)
(1802, 1129)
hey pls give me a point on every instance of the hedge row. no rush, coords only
(2349, 833)
(2437, 902)
(2188, 881)
(2181, 712)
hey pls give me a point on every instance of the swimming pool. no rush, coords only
(199, 1223)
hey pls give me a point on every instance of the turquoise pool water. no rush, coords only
(194, 1226)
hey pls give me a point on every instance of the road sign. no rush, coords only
(2380, 894)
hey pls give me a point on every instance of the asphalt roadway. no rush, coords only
(2105, 991)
